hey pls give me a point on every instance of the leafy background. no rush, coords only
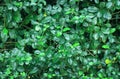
(59, 39)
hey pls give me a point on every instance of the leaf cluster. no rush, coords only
(59, 39)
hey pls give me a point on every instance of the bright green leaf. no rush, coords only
(112, 30)
(59, 33)
(106, 46)
(5, 31)
(80, 73)
(66, 29)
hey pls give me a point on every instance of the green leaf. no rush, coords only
(59, 33)
(28, 18)
(7, 72)
(112, 30)
(80, 73)
(107, 15)
(102, 4)
(42, 54)
(76, 44)
(96, 1)
(18, 4)
(37, 28)
(92, 9)
(12, 34)
(99, 14)
(95, 36)
(49, 76)
(108, 61)
(67, 36)
(11, 77)
(23, 74)
(66, 29)
(100, 75)
(109, 4)
(37, 52)
(69, 11)
(20, 69)
(5, 31)
(17, 16)
(94, 21)
(105, 30)
(34, 70)
(91, 63)
(75, 18)
(106, 46)
(82, 18)
(29, 58)
(33, 2)
(4, 35)
(70, 61)
(85, 24)
(96, 28)
(111, 39)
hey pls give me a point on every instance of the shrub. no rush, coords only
(59, 39)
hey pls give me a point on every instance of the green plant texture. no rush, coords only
(59, 39)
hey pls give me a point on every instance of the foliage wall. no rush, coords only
(59, 39)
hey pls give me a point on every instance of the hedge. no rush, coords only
(59, 39)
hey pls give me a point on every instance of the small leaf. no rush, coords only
(4, 35)
(49, 76)
(96, 36)
(18, 4)
(34, 70)
(106, 46)
(12, 34)
(92, 9)
(96, 1)
(67, 36)
(99, 14)
(108, 61)
(17, 16)
(37, 52)
(91, 63)
(76, 44)
(109, 4)
(80, 73)
(107, 15)
(100, 75)
(42, 54)
(70, 61)
(104, 38)
(105, 30)
(85, 24)
(112, 30)
(69, 11)
(7, 71)
(28, 58)
(66, 29)
(82, 18)
(5, 31)
(37, 28)
(59, 33)
(94, 21)
(75, 18)
(23, 74)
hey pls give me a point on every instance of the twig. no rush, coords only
(116, 13)
(90, 53)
